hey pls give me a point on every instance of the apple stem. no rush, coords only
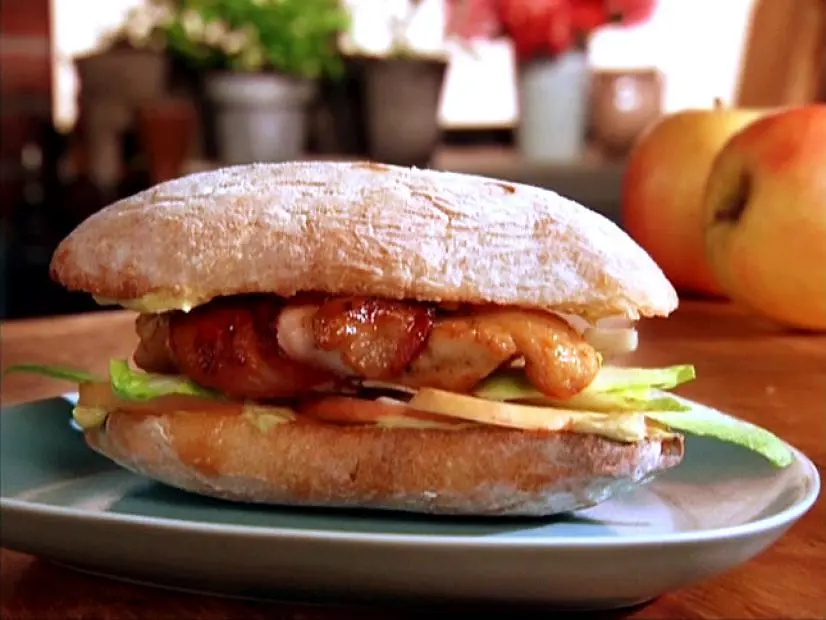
(734, 205)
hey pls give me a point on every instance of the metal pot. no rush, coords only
(259, 117)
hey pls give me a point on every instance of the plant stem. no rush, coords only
(400, 26)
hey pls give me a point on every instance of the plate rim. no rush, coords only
(784, 518)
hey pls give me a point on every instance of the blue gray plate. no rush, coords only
(722, 506)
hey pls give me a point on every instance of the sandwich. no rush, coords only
(359, 335)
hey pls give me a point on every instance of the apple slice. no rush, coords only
(620, 426)
(349, 410)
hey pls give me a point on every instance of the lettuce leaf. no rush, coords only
(133, 385)
(53, 371)
(640, 390)
(126, 383)
(705, 421)
(614, 378)
(614, 389)
(640, 400)
(513, 385)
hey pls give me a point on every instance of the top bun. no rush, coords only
(359, 228)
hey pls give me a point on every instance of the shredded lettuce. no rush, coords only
(133, 385)
(56, 372)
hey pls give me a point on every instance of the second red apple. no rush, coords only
(663, 187)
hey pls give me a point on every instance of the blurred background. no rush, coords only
(102, 98)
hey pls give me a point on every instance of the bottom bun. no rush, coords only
(477, 471)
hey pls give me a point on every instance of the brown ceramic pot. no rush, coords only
(623, 103)
(166, 129)
(402, 105)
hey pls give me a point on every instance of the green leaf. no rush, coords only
(613, 389)
(293, 37)
(506, 385)
(66, 373)
(640, 400)
(615, 378)
(639, 389)
(705, 421)
(133, 385)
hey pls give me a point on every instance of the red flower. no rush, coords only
(537, 26)
(561, 31)
(542, 27)
(589, 15)
(631, 12)
(473, 19)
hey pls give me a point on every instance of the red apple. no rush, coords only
(765, 217)
(663, 188)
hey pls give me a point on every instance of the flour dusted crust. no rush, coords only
(360, 228)
(483, 471)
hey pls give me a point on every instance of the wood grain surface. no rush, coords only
(757, 371)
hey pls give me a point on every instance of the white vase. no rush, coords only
(553, 108)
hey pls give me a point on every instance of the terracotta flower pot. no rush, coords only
(623, 103)
(166, 128)
(129, 75)
(114, 84)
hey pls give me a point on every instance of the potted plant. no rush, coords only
(549, 39)
(126, 71)
(402, 88)
(259, 61)
(130, 58)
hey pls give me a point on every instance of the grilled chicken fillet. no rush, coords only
(266, 347)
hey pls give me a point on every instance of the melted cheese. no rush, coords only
(265, 418)
(89, 417)
(262, 417)
(155, 303)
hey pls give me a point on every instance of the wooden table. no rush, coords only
(771, 377)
